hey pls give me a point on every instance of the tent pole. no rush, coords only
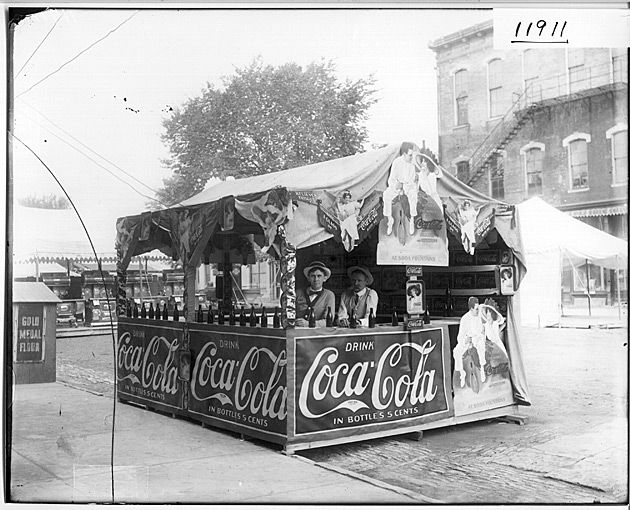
(618, 288)
(588, 286)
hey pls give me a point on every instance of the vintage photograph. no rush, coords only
(211, 216)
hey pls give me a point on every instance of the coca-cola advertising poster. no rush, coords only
(147, 366)
(239, 378)
(364, 380)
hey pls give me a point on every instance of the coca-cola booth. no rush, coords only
(306, 387)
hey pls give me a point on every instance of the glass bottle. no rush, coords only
(135, 310)
(143, 311)
(220, 316)
(311, 317)
(199, 314)
(210, 315)
(426, 319)
(165, 312)
(242, 320)
(176, 313)
(329, 318)
(353, 319)
(263, 318)
(232, 318)
(253, 319)
(276, 318)
(394, 317)
(151, 311)
(371, 319)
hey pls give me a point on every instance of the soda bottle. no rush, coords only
(143, 311)
(151, 311)
(371, 319)
(426, 319)
(210, 315)
(232, 318)
(199, 314)
(353, 319)
(311, 317)
(135, 310)
(165, 313)
(329, 318)
(394, 317)
(276, 318)
(242, 321)
(253, 319)
(263, 318)
(220, 316)
(176, 313)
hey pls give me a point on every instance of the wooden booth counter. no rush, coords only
(300, 388)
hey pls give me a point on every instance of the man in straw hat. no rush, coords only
(359, 297)
(315, 295)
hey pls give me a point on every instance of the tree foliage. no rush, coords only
(45, 201)
(264, 119)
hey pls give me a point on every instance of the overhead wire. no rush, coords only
(100, 269)
(152, 199)
(94, 152)
(77, 55)
(38, 46)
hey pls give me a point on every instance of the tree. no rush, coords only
(45, 202)
(264, 120)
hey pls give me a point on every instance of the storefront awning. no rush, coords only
(614, 210)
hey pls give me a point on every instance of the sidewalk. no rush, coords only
(61, 451)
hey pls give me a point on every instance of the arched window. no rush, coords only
(460, 79)
(578, 160)
(496, 91)
(618, 136)
(532, 158)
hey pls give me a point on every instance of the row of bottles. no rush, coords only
(151, 312)
(253, 320)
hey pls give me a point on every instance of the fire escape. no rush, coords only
(538, 94)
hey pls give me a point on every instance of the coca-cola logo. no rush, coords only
(350, 387)
(252, 384)
(152, 368)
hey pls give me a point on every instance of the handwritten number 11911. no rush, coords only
(541, 25)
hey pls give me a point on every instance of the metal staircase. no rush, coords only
(544, 92)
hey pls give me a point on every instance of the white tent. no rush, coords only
(551, 237)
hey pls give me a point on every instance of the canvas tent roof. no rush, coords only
(544, 229)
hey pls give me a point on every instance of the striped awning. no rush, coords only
(614, 210)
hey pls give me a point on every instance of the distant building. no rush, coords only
(547, 122)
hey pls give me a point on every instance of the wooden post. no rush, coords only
(287, 279)
(189, 292)
(618, 288)
(588, 287)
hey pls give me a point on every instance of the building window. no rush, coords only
(578, 160)
(531, 81)
(496, 92)
(532, 157)
(461, 96)
(618, 136)
(497, 190)
(463, 171)
(578, 78)
(596, 281)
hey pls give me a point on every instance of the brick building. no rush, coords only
(548, 122)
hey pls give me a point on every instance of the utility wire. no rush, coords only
(152, 199)
(94, 152)
(38, 46)
(100, 269)
(76, 56)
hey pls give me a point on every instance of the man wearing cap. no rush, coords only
(359, 297)
(315, 296)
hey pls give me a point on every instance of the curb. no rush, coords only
(372, 481)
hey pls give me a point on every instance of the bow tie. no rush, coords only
(313, 292)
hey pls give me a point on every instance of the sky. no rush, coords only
(109, 100)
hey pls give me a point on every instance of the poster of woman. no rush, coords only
(506, 275)
(415, 297)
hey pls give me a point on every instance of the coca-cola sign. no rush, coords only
(146, 361)
(369, 379)
(240, 379)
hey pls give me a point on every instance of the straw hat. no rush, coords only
(364, 270)
(316, 264)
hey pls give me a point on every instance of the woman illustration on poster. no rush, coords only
(414, 298)
(493, 324)
(468, 222)
(427, 179)
(348, 220)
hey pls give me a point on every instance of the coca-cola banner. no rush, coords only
(367, 379)
(239, 378)
(146, 368)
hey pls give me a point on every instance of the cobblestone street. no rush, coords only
(572, 450)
